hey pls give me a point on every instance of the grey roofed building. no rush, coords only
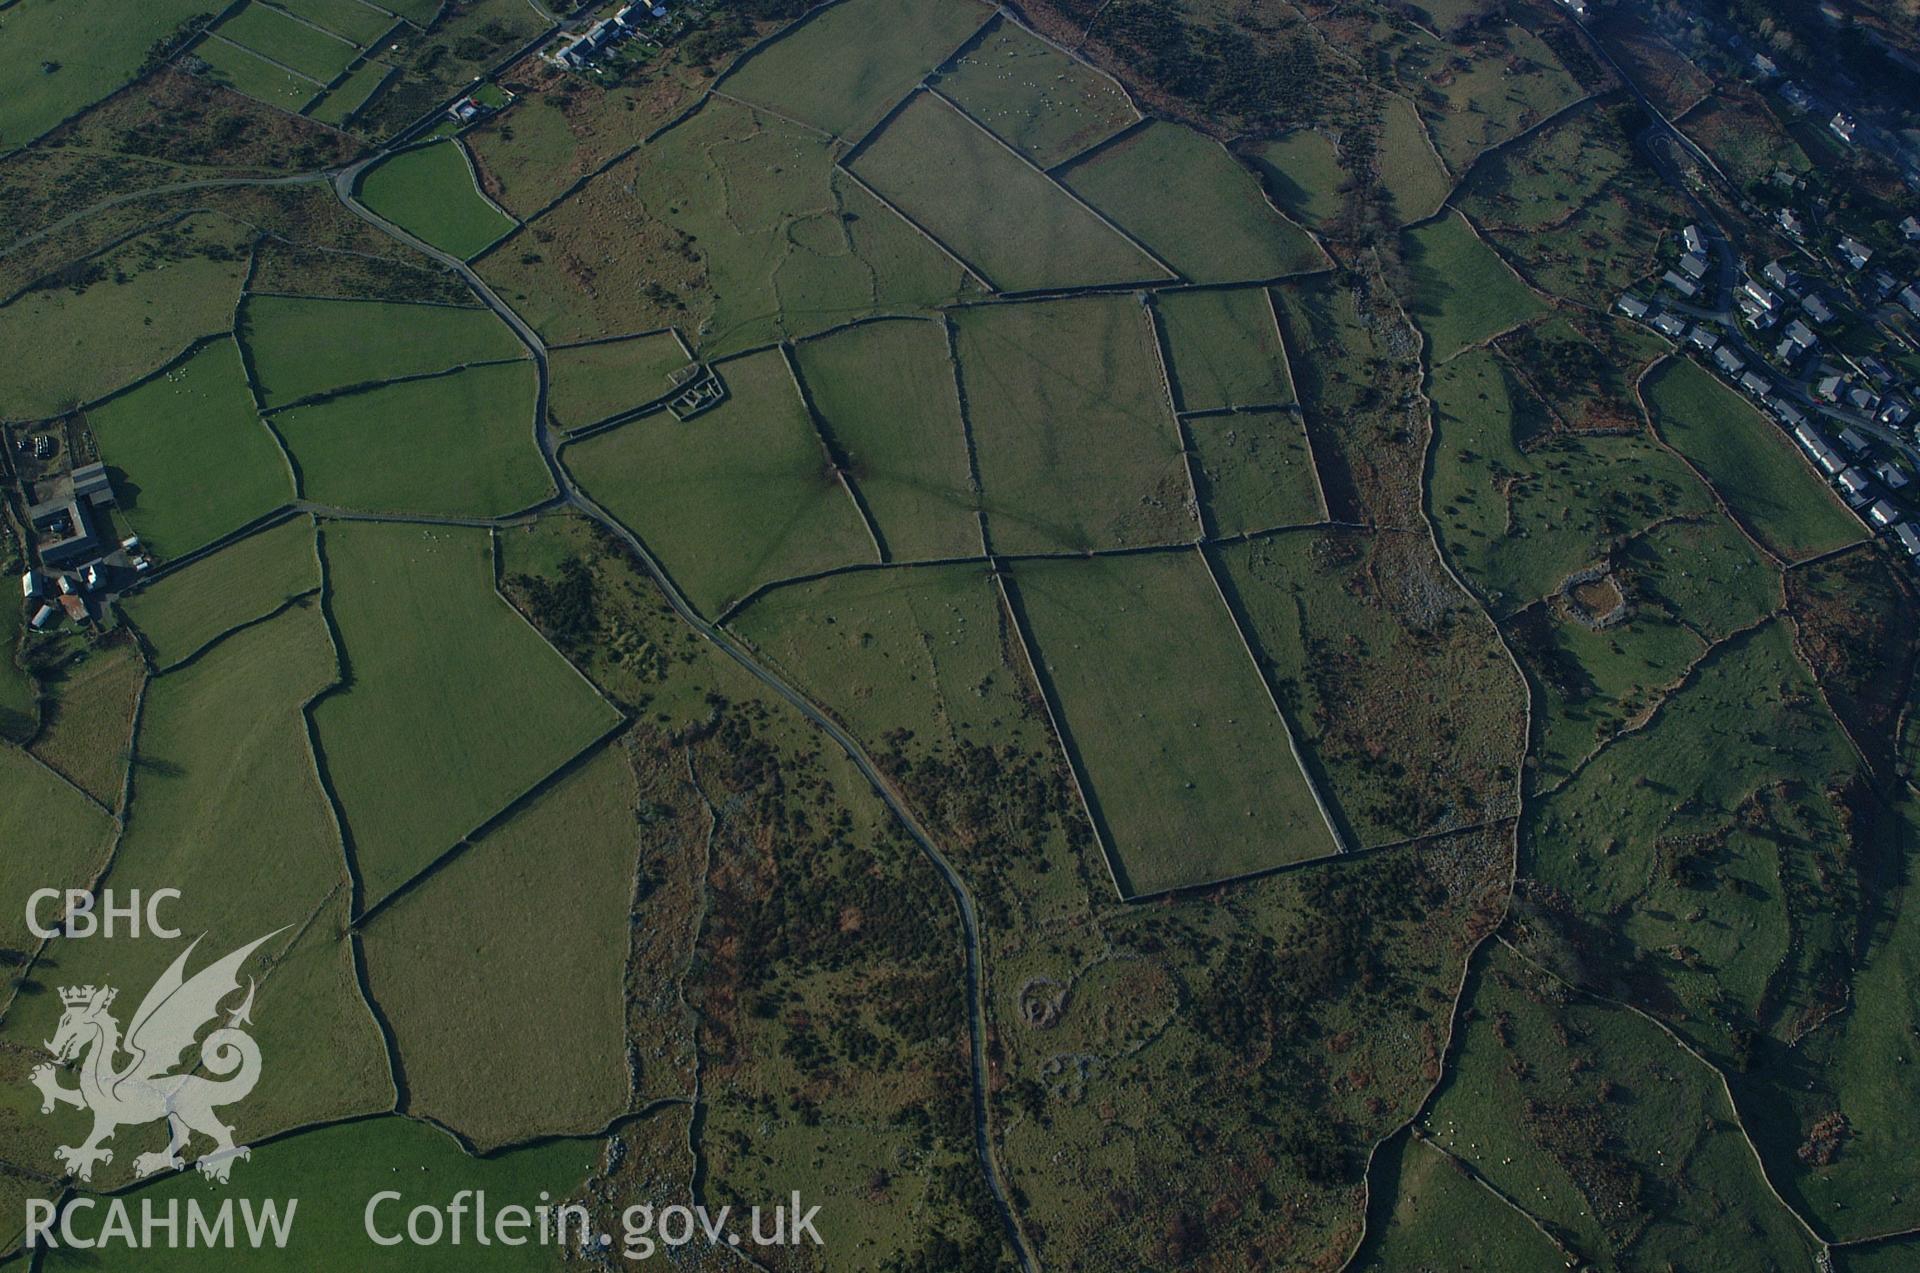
(1801, 333)
(1910, 297)
(1890, 473)
(1909, 540)
(44, 616)
(1680, 283)
(1796, 96)
(1863, 400)
(1829, 460)
(1693, 240)
(1843, 126)
(1778, 275)
(1853, 441)
(1670, 325)
(1728, 361)
(1788, 413)
(1856, 253)
(1875, 369)
(1853, 481)
(1828, 388)
(1632, 306)
(1760, 295)
(1694, 265)
(1790, 222)
(67, 530)
(1883, 513)
(90, 482)
(1910, 229)
(1895, 411)
(1810, 437)
(1817, 308)
(1703, 337)
(1755, 384)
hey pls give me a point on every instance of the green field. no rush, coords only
(461, 964)
(429, 192)
(1255, 471)
(1756, 468)
(350, 94)
(74, 346)
(1462, 292)
(189, 457)
(247, 72)
(735, 227)
(1187, 198)
(1518, 507)
(849, 63)
(1414, 180)
(455, 707)
(1302, 170)
(96, 46)
(289, 42)
(1188, 765)
(1225, 349)
(220, 742)
(351, 19)
(731, 499)
(70, 839)
(994, 211)
(87, 723)
(189, 609)
(530, 155)
(1076, 440)
(1471, 105)
(1424, 1224)
(18, 713)
(305, 347)
(1036, 98)
(886, 393)
(1608, 1131)
(593, 382)
(335, 1172)
(1410, 714)
(457, 445)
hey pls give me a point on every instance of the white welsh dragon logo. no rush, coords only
(145, 1088)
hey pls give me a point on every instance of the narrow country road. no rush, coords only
(571, 495)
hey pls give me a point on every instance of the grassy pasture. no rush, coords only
(1462, 292)
(1495, 96)
(220, 742)
(88, 724)
(1411, 715)
(734, 227)
(1302, 170)
(1225, 350)
(289, 42)
(1076, 442)
(455, 706)
(1739, 129)
(243, 581)
(529, 155)
(350, 94)
(1432, 1204)
(334, 1171)
(849, 63)
(428, 191)
(1034, 97)
(189, 456)
(97, 47)
(17, 689)
(455, 445)
(1187, 762)
(1255, 471)
(995, 212)
(70, 839)
(1753, 464)
(734, 498)
(352, 20)
(156, 295)
(1682, 838)
(531, 922)
(304, 347)
(1187, 198)
(1415, 181)
(1520, 507)
(1632, 1150)
(588, 383)
(886, 393)
(247, 72)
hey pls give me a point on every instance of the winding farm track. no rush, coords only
(572, 496)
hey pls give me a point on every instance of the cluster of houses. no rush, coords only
(1778, 302)
(77, 561)
(578, 52)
